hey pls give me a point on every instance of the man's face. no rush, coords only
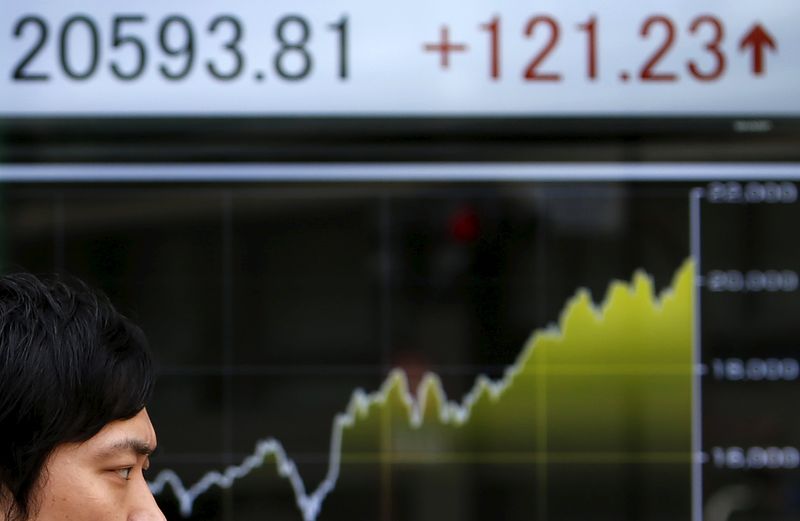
(101, 479)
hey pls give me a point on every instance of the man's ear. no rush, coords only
(8, 509)
(4, 502)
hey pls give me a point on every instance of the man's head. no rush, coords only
(75, 376)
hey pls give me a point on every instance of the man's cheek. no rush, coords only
(87, 505)
(78, 496)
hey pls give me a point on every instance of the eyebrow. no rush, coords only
(135, 445)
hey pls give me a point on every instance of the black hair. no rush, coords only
(69, 365)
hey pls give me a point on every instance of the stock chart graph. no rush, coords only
(471, 348)
(602, 368)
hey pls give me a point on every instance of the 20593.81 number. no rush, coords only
(177, 42)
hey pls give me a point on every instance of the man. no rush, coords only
(75, 437)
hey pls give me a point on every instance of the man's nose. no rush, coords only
(144, 506)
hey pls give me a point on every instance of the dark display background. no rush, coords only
(268, 304)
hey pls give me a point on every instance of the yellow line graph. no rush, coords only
(609, 384)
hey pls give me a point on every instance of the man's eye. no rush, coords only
(125, 473)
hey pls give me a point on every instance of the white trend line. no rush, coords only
(310, 505)
(449, 412)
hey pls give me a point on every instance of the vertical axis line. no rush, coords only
(385, 271)
(541, 387)
(227, 341)
(695, 197)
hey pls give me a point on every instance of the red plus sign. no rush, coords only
(444, 47)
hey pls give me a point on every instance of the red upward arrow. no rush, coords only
(757, 38)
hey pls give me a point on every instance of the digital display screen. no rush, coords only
(596, 341)
(430, 261)
(354, 58)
